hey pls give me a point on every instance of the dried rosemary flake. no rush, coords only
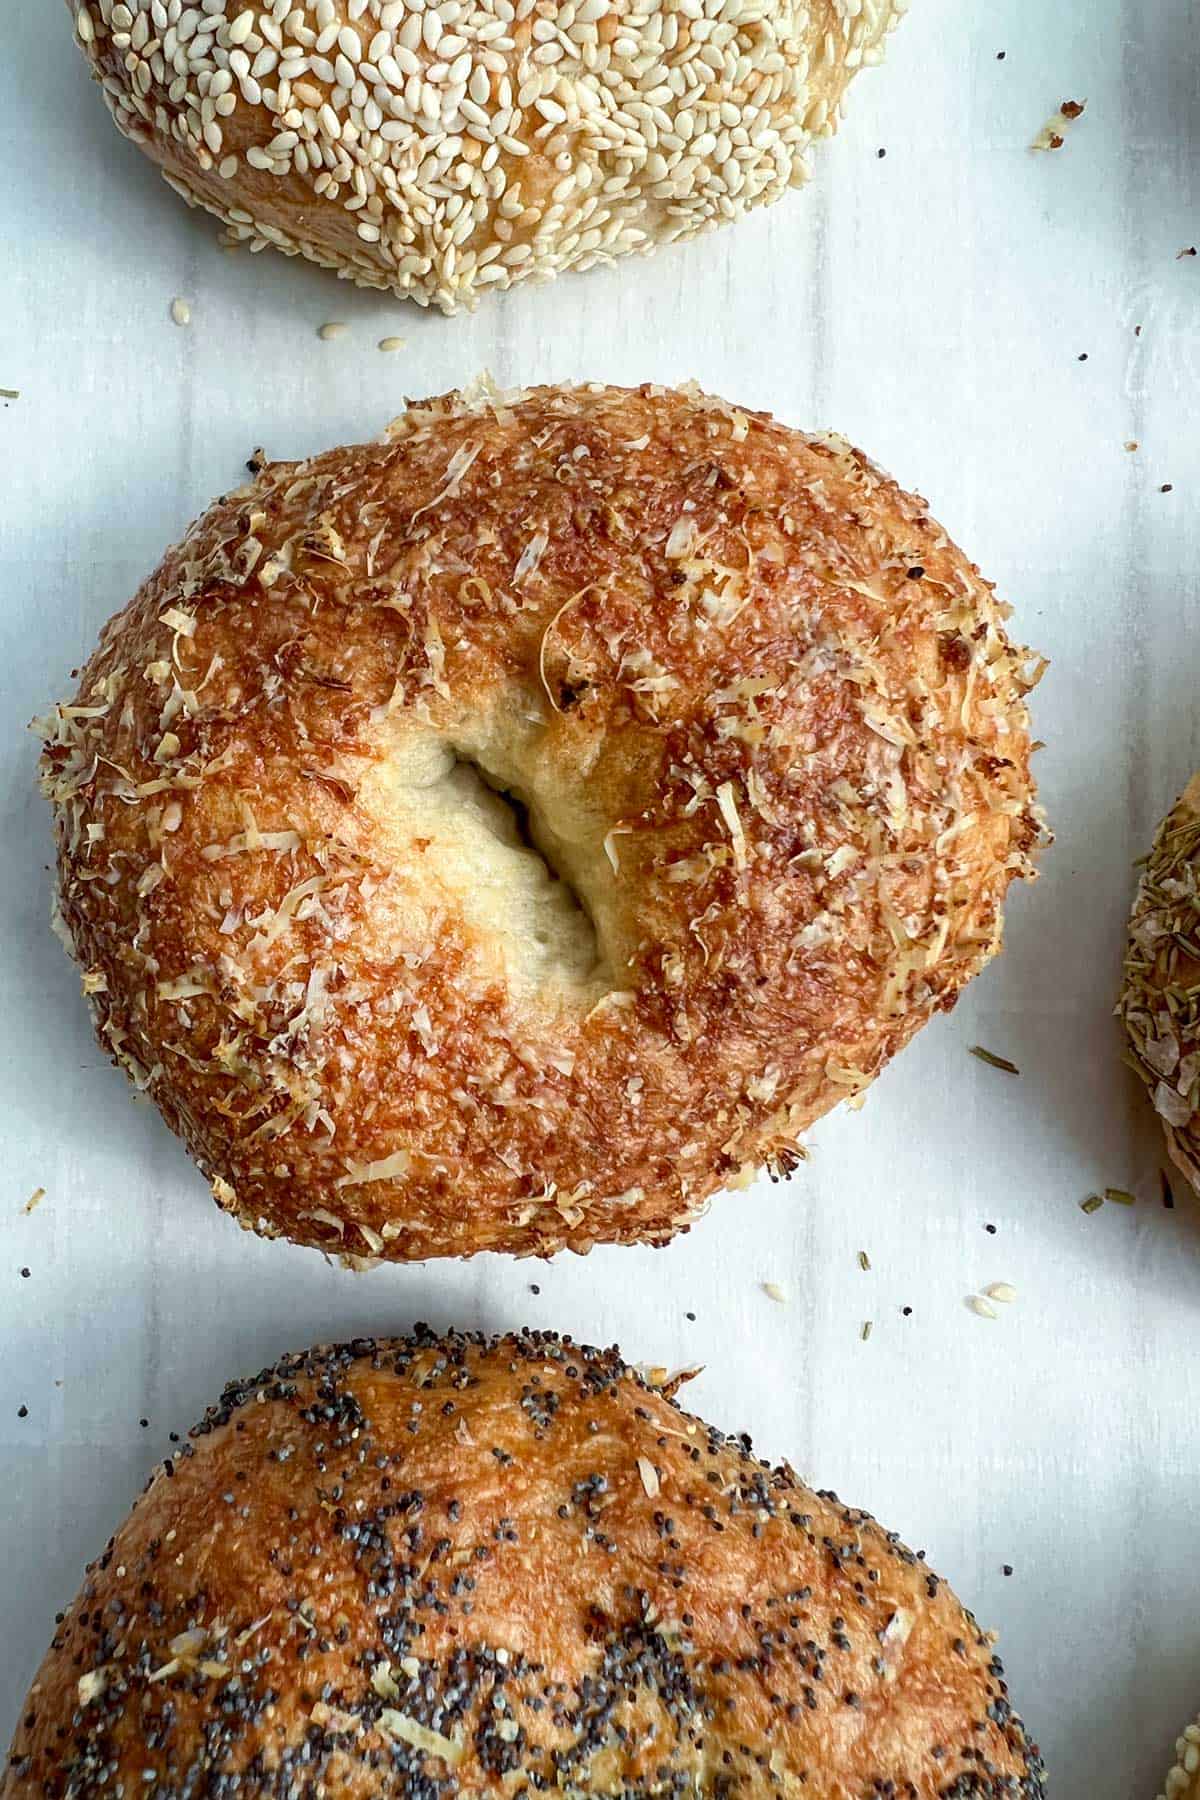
(864, 1261)
(867, 1328)
(34, 1200)
(1120, 1196)
(10, 393)
(1092, 1204)
(993, 1061)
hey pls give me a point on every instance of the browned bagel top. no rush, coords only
(436, 1567)
(766, 750)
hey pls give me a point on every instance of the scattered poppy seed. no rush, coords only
(1008, 1568)
(144, 1423)
(690, 1316)
(991, 1230)
(1083, 356)
(907, 1311)
(256, 462)
(534, 1288)
(993, 1061)
(181, 312)
(881, 154)
(1000, 55)
(24, 1274)
(1166, 487)
(916, 572)
(22, 1412)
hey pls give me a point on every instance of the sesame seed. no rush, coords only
(181, 312)
(983, 1307)
(658, 124)
(333, 328)
(1003, 1291)
(392, 343)
(774, 1291)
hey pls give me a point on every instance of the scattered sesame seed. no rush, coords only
(391, 343)
(334, 328)
(774, 1291)
(181, 312)
(983, 1307)
(1004, 1291)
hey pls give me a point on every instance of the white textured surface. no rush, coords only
(933, 306)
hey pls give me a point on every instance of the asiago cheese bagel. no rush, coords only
(504, 835)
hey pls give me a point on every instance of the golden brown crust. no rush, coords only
(504, 140)
(429, 1567)
(765, 721)
(1160, 992)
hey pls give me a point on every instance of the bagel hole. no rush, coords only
(467, 839)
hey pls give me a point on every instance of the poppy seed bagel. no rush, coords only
(439, 1566)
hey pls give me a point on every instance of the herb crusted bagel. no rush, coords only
(439, 148)
(504, 835)
(1160, 990)
(411, 1569)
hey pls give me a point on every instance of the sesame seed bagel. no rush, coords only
(428, 1566)
(439, 149)
(1183, 1781)
(506, 834)
(1160, 994)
